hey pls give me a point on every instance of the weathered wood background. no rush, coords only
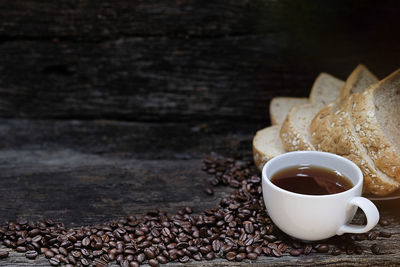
(182, 60)
(106, 108)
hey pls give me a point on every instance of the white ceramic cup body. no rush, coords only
(316, 217)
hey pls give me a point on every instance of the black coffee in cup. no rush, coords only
(311, 180)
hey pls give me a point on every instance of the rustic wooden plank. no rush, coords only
(91, 20)
(132, 140)
(185, 60)
(163, 79)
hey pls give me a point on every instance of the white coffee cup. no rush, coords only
(316, 217)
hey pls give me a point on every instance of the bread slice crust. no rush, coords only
(344, 141)
(267, 145)
(359, 80)
(376, 117)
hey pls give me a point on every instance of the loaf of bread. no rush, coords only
(358, 119)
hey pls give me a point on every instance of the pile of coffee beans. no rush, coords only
(237, 229)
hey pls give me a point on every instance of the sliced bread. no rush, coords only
(376, 117)
(280, 106)
(294, 132)
(266, 145)
(344, 141)
(320, 127)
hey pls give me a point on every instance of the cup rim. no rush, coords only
(325, 154)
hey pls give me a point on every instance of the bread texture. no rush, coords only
(320, 127)
(344, 141)
(266, 145)
(376, 118)
(280, 106)
(295, 128)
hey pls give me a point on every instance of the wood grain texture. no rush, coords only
(182, 60)
(65, 170)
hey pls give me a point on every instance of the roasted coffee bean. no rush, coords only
(86, 242)
(210, 256)
(209, 191)
(71, 259)
(248, 227)
(76, 253)
(282, 247)
(384, 222)
(216, 245)
(350, 249)
(63, 251)
(322, 248)
(130, 257)
(161, 259)
(372, 235)
(97, 253)
(376, 249)
(31, 254)
(295, 252)
(34, 232)
(141, 257)
(134, 264)
(125, 263)
(85, 252)
(358, 250)
(307, 249)
(54, 261)
(240, 256)
(149, 253)
(4, 254)
(336, 251)
(153, 263)
(100, 263)
(184, 259)
(49, 254)
(230, 256)
(276, 252)
(385, 234)
(85, 262)
(252, 256)
(21, 249)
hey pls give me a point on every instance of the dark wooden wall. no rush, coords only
(185, 60)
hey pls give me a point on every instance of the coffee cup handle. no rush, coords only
(371, 213)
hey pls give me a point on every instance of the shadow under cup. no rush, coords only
(316, 217)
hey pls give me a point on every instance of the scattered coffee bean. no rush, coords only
(385, 234)
(295, 252)
(184, 259)
(153, 263)
(384, 222)
(31, 254)
(376, 249)
(134, 264)
(230, 256)
(54, 262)
(209, 191)
(241, 256)
(237, 229)
(322, 248)
(252, 256)
(4, 254)
(372, 235)
(49, 254)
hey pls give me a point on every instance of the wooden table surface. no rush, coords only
(83, 173)
(107, 109)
